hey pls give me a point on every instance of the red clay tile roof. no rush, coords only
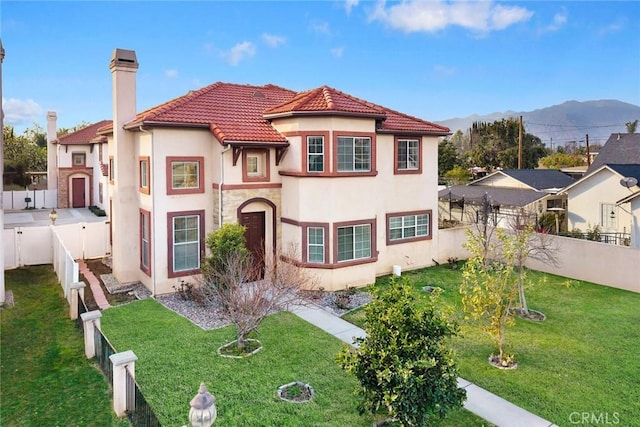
(86, 135)
(233, 112)
(325, 100)
(241, 113)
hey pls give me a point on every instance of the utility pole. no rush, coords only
(520, 144)
(588, 153)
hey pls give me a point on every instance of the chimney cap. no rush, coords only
(51, 115)
(123, 58)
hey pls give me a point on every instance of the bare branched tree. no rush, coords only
(245, 301)
(526, 244)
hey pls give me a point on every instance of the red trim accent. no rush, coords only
(147, 189)
(397, 171)
(411, 239)
(170, 216)
(169, 174)
(146, 214)
(263, 154)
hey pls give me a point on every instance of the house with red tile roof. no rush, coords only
(353, 185)
(76, 165)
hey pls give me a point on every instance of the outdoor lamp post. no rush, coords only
(53, 215)
(203, 408)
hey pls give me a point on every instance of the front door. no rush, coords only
(77, 191)
(255, 234)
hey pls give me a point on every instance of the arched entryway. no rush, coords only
(79, 189)
(258, 215)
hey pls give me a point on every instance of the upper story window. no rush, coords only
(185, 175)
(112, 172)
(407, 155)
(255, 165)
(354, 154)
(79, 160)
(315, 154)
(144, 169)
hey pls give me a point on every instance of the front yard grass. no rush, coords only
(174, 356)
(585, 358)
(46, 378)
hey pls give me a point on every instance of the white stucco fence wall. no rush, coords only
(40, 199)
(601, 263)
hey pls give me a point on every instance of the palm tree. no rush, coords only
(631, 126)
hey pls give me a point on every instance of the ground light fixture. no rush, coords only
(203, 408)
(53, 216)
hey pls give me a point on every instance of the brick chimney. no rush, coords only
(123, 193)
(52, 150)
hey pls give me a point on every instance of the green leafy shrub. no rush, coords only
(404, 367)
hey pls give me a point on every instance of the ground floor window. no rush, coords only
(185, 240)
(315, 245)
(354, 242)
(145, 241)
(408, 226)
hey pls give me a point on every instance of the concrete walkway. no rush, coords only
(486, 405)
(40, 217)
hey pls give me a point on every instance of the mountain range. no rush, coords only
(564, 123)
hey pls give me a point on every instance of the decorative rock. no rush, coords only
(305, 396)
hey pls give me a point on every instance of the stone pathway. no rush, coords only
(94, 283)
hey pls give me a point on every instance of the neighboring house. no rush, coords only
(506, 192)
(351, 184)
(76, 165)
(593, 200)
(631, 204)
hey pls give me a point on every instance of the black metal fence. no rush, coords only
(138, 410)
(104, 349)
(82, 308)
(621, 239)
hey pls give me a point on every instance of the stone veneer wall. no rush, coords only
(232, 199)
(63, 185)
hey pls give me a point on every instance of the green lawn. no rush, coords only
(585, 358)
(46, 379)
(174, 356)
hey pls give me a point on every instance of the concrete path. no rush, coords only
(486, 405)
(96, 289)
(40, 217)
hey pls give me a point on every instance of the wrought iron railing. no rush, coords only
(82, 308)
(621, 239)
(104, 349)
(139, 411)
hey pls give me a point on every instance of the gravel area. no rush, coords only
(209, 317)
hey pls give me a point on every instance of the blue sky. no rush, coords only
(432, 59)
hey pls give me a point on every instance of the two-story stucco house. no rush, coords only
(76, 163)
(351, 184)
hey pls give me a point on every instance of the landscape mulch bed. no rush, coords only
(98, 267)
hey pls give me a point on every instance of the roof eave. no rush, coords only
(152, 123)
(413, 132)
(324, 113)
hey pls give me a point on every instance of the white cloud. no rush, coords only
(321, 27)
(436, 15)
(272, 40)
(172, 74)
(350, 4)
(337, 52)
(442, 71)
(239, 52)
(19, 111)
(614, 27)
(559, 20)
